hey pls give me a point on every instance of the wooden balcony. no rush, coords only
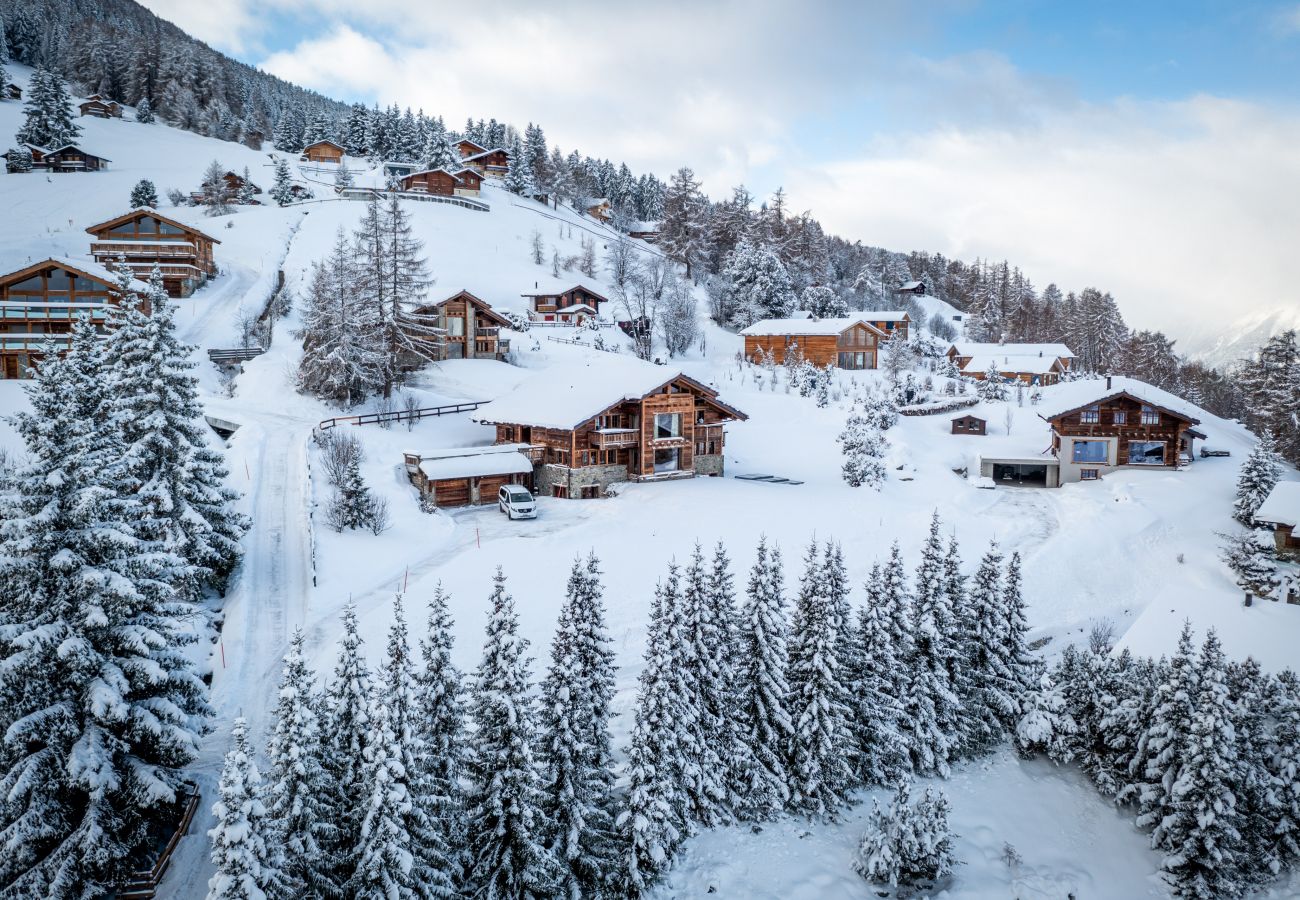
(613, 438)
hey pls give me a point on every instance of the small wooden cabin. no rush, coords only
(469, 476)
(470, 328)
(145, 238)
(969, 425)
(235, 184)
(1281, 511)
(323, 152)
(601, 210)
(890, 321)
(571, 306)
(624, 421)
(1125, 423)
(911, 289)
(38, 155)
(471, 182)
(847, 343)
(13, 92)
(431, 181)
(100, 108)
(73, 159)
(493, 163)
(45, 299)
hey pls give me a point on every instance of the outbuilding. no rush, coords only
(323, 152)
(969, 425)
(469, 476)
(1281, 510)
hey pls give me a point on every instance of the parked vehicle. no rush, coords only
(1206, 451)
(516, 502)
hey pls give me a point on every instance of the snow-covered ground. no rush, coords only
(1139, 548)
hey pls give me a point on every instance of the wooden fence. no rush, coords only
(143, 884)
(401, 415)
(238, 354)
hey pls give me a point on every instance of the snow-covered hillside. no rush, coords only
(1139, 548)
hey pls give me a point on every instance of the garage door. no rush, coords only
(488, 487)
(451, 492)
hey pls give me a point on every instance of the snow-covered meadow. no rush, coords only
(1139, 549)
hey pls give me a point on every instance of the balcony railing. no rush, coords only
(618, 437)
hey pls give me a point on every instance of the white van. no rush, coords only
(515, 501)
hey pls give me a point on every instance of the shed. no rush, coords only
(469, 476)
(969, 425)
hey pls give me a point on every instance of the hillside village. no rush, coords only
(1013, 551)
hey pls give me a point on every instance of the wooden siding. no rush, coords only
(1121, 418)
(437, 182)
(841, 351)
(184, 256)
(323, 153)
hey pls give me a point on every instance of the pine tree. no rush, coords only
(934, 709)
(144, 195)
(876, 680)
(1285, 766)
(1250, 556)
(48, 111)
(1259, 474)
(577, 776)
(348, 732)
(763, 781)
(244, 849)
(153, 406)
(282, 188)
(702, 650)
(1166, 736)
(519, 175)
(682, 226)
(907, 845)
(1045, 725)
(297, 782)
(1200, 835)
(246, 195)
(343, 176)
(820, 751)
(144, 112)
(215, 189)
(1014, 647)
(1254, 782)
(87, 760)
(726, 738)
(864, 447)
(760, 285)
(991, 695)
(509, 859)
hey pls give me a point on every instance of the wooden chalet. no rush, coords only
(13, 92)
(443, 182)
(601, 210)
(1097, 427)
(1030, 363)
(572, 306)
(969, 425)
(465, 147)
(493, 163)
(38, 155)
(471, 329)
(890, 321)
(100, 108)
(323, 152)
(469, 476)
(45, 299)
(847, 343)
(146, 238)
(911, 289)
(1281, 511)
(590, 427)
(645, 231)
(72, 158)
(235, 183)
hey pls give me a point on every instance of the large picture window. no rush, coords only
(1146, 453)
(668, 425)
(1090, 452)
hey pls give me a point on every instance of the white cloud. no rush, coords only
(1178, 209)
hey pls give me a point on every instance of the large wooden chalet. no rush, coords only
(71, 158)
(590, 427)
(494, 163)
(470, 328)
(1030, 363)
(45, 299)
(100, 108)
(323, 152)
(1097, 427)
(571, 306)
(847, 343)
(1281, 511)
(443, 182)
(145, 238)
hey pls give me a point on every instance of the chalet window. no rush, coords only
(1089, 474)
(59, 280)
(668, 425)
(33, 285)
(147, 225)
(1090, 416)
(1119, 417)
(1090, 451)
(1150, 416)
(164, 228)
(456, 327)
(1146, 453)
(699, 448)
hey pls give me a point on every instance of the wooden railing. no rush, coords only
(611, 440)
(239, 354)
(143, 884)
(402, 415)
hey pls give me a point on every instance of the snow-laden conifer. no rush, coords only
(1259, 474)
(144, 194)
(706, 694)
(245, 851)
(348, 731)
(877, 684)
(441, 725)
(1166, 736)
(934, 709)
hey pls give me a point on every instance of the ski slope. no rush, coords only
(1139, 548)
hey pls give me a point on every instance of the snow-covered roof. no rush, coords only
(85, 267)
(1069, 396)
(977, 348)
(324, 141)
(885, 315)
(807, 326)
(447, 172)
(476, 462)
(1033, 365)
(147, 211)
(576, 307)
(567, 395)
(78, 149)
(910, 285)
(475, 156)
(1282, 507)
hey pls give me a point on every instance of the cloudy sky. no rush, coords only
(1151, 149)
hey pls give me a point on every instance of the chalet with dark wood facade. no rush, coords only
(572, 306)
(1099, 426)
(462, 183)
(466, 148)
(45, 299)
(145, 238)
(470, 328)
(469, 476)
(591, 427)
(1030, 363)
(493, 163)
(323, 152)
(72, 158)
(848, 343)
(1281, 511)
(100, 108)
(601, 210)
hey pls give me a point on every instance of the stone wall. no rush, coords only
(709, 465)
(550, 475)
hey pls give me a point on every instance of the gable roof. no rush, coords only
(885, 315)
(89, 269)
(446, 172)
(808, 326)
(148, 211)
(911, 285)
(480, 147)
(324, 141)
(478, 302)
(577, 287)
(1282, 505)
(1072, 396)
(1032, 365)
(78, 149)
(475, 156)
(476, 462)
(976, 348)
(563, 397)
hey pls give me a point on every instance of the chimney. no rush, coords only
(1107, 382)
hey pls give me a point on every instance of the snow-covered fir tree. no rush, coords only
(721, 599)
(343, 175)
(353, 506)
(519, 174)
(682, 234)
(297, 789)
(934, 709)
(79, 586)
(1259, 474)
(707, 694)
(1285, 767)
(821, 302)
(1255, 783)
(348, 730)
(441, 725)
(1045, 725)
(766, 730)
(821, 749)
(152, 404)
(245, 850)
(144, 112)
(1014, 648)
(993, 386)
(760, 286)
(877, 679)
(282, 187)
(48, 111)
(992, 691)
(508, 855)
(907, 844)
(1165, 738)
(864, 448)
(577, 775)
(1251, 557)
(216, 194)
(246, 193)
(144, 194)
